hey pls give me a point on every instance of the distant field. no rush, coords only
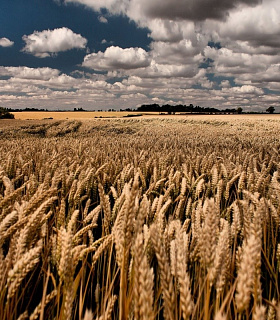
(56, 115)
(117, 114)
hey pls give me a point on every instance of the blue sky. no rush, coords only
(100, 54)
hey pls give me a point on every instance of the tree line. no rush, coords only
(183, 108)
(5, 114)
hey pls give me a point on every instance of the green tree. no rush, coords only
(239, 110)
(270, 109)
(5, 114)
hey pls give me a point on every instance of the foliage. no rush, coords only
(271, 109)
(5, 114)
(239, 110)
(170, 109)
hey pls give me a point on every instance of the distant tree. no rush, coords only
(5, 114)
(239, 110)
(270, 109)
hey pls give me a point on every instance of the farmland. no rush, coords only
(64, 115)
(140, 218)
(87, 115)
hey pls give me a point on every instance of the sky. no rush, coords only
(104, 54)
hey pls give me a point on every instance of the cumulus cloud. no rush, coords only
(198, 10)
(225, 84)
(107, 42)
(182, 52)
(115, 58)
(168, 30)
(29, 73)
(157, 70)
(49, 42)
(114, 6)
(129, 92)
(176, 68)
(165, 60)
(102, 19)
(250, 47)
(5, 42)
(245, 68)
(258, 34)
(246, 89)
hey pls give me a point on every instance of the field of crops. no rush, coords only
(71, 115)
(140, 219)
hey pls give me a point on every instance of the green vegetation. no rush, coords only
(271, 109)
(5, 114)
(171, 109)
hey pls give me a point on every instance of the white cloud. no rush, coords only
(62, 81)
(5, 42)
(164, 60)
(133, 96)
(256, 38)
(104, 41)
(29, 73)
(246, 89)
(247, 69)
(274, 86)
(171, 31)
(225, 84)
(262, 29)
(23, 92)
(49, 42)
(180, 53)
(180, 31)
(115, 58)
(114, 6)
(102, 19)
(156, 70)
(247, 31)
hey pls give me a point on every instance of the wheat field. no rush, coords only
(140, 219)
(70, 115)
(87, 115)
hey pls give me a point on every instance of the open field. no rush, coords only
(56, 115)
(38, 115)
(140, 218)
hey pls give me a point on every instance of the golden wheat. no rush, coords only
(140, 219)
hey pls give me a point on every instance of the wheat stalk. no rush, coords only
(22, 267)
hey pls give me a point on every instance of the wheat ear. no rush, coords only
(35, 314)
(25, 264)
(165, 274)
(186, 302)
(246, 273)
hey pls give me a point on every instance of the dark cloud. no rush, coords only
(195, 10)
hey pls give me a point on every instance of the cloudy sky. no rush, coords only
(101, 54)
